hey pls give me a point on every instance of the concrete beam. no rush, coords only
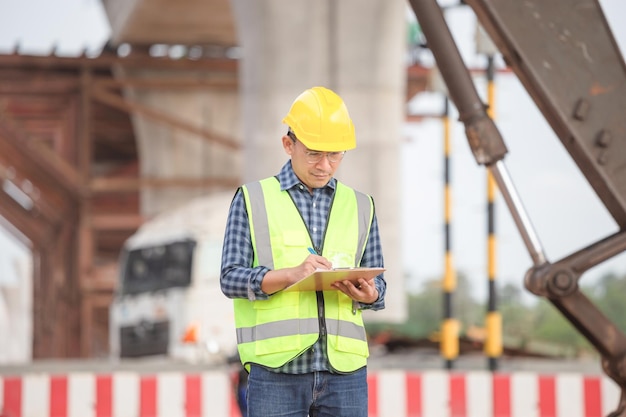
(192, 22)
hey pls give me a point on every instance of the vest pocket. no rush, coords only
(276, 318)
(279, 345)
(352, 346)
(349, 334)
(340, 258)
(298, 238)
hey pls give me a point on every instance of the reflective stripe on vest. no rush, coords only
(274, 331)
(258, 216)
(288, 327)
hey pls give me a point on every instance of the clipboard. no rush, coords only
(322, 279)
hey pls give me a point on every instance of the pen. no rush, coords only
(312, 251)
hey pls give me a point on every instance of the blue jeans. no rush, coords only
(316, 394)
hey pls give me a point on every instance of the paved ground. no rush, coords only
(410, 359)
(420, 360)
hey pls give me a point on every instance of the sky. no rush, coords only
(70, 26)
(565, 212)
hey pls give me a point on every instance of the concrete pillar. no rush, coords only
(167, 152)
(355, 47)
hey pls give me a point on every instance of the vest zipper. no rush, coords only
(320, 312)
(319, 294)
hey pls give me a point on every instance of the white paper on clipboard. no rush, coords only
(322, 279)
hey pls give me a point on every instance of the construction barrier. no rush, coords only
(392, 393)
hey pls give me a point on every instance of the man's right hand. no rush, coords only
(279, 279)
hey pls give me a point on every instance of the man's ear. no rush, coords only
(288, 145)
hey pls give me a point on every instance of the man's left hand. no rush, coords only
(364, 292)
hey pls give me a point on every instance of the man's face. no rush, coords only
(313, 168)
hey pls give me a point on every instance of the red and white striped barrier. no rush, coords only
(393, 393)
(120, 394)
(485, 394)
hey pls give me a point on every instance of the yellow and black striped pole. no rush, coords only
(493, 343)
(450, 328)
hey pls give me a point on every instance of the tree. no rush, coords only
(517, 318)
(608, 294)
(425, 310)
(529, 325)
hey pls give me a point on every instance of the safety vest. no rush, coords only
(272, 332)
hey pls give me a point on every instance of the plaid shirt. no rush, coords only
(239, 280)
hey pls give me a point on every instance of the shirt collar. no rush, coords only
(288, 179)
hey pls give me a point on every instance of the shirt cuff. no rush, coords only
(254, 284)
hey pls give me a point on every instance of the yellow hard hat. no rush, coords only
(320, 120)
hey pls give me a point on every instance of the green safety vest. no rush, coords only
(272, 332)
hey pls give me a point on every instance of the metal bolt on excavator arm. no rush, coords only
(565, 55)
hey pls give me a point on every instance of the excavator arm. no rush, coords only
(564, 53)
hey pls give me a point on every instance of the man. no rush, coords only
(305, 351)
